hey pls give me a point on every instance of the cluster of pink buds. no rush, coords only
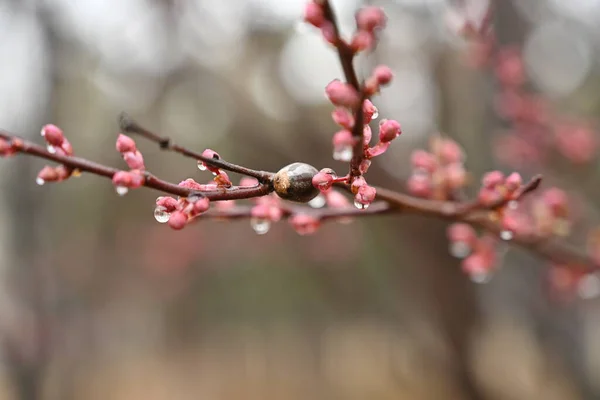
(267, 209)
(478, 254)
(134, 178)
(496, 188)
(56, 143)
(221, 177)
(535, 130)
(178, 212)
(439, 172)
(368, 21)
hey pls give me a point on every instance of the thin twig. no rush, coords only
(151, 181)
(346, 57)
(128, 125)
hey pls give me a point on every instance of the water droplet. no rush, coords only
(121, 190)
(375, 114)
(161, 215)
(481, 277)
(589, 287)
(76, 173)
(201, 166)
(318, 202)
(459, 249)
(343, 153)
(51, 149)
(360, 205)
(39, 181)
(43, 132)
(513, 205)
(260, 225)
(506, 235)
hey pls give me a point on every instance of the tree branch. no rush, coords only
(128, 125)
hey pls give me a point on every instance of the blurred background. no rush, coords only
(99, 301)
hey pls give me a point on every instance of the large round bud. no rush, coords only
(294, 182)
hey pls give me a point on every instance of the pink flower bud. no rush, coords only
(362, 40)
(369, 111)
(66, 147)
(122, 178)
(137, 178)
(450, 152)
(201, 205)
(178, 220)
(367, 135)
(364, 166)
(328, 32)
(389, 130)
(53, 135)
(343, 138)
(169, 203)
(342, 94)
(125, 144)
(261, 211)
(461, 232)
(421, 159)
(456, 176)
(477, 264)
(323, 180)
(370, 18)
(343, 117)
(366, 194)
(492, 179)
(314, 14)
(557, 201)
(357, 183)
(420, 185)
(488, 197)
(383, 74)
(304, 224)
(513, 182)
(208, 153)
(378, 149)
(191, 184)
(134, 160)
(48, 174)
(336, 200)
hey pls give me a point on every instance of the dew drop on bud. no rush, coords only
(201, 166)
(360, 205)
(318, 202)
(121, 190)
(513, 205)
(343, 153)
(459, 249)
(481, 277)
(506, 235)
(260, 225)
(161, 215)
(39, 181)
(43, 132)
(375, 114)
(51, 149)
